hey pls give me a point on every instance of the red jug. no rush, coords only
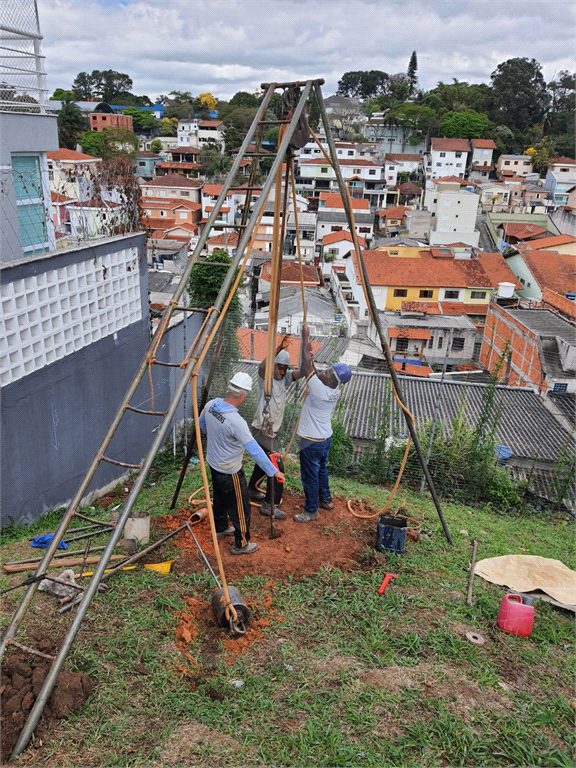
(515, 617)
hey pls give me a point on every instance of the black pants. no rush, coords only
(231, 502)
(270, 445)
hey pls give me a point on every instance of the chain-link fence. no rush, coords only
(22, 75)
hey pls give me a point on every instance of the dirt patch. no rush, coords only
(196, 744)
(21, 682)
(336, 538)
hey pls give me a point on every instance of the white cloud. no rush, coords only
(228, 45)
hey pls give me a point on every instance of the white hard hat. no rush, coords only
(282, 358)
(242, 381)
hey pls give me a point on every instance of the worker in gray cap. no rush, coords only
(228, 437)
(266, 435)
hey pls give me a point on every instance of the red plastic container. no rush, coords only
(515, 617)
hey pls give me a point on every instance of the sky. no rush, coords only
(225, 46)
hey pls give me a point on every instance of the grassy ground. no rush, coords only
(337, 676)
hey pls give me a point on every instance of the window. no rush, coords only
(184, 194)
(523, 281)
(400, 293)
(426, 294)
(506, 162)
(350, 153)
(364, 230)
(526, 162)
(477, 294)
(356, 170)
(560, 388)
(430, 342)
(442, 154)
(336, 229)
(401, 345)
(440, 342)
(438, 165)
(458, 165)
(458, 154)
(371, 173)
(435, 200)
(457, 345)
(142, 164)
(390, 167)
(182, 214)
(323, 170)
(27, 179)
(451, 294)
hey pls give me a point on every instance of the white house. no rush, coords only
(196, 133)
(494, 196)
(514, 165)
(453, 210)
(172, 185)
(395, 163)
(481, 159)
(447, 157)
(70, 173)
(560, 179)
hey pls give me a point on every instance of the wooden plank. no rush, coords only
(63, 563)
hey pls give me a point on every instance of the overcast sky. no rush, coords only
(224, 46)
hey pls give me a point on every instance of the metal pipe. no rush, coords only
(203, 556)
(50, 680)
(374, 310)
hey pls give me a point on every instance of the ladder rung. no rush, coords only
(167, 365)
(192, 309)
(120, 463)
(259, 154)
(274, 122)
(146, 413)
(227, 226)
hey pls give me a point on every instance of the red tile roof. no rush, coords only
(214, 190)
(95, 202)
(408, 188)
(408, 333)
(461, 308)
(157, 222)
(169, 203)
(172, 180)
(483, 143)
(256, 350)
(337, 237)
(147, 154)
(175, 166)
(70, 154)
(429, 272)
(549, 243)
(225, 238)
(210, 123)
(291, 273)
(553, 270)
(413, 370)
(334, 200)
(450, 145)
(397, 212)
(393, 157)
(562, 161)
(58, 198)
(183, 225)
(520, 230)
(426, 307)
(184, 150)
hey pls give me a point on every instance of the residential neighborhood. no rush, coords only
(203, 261)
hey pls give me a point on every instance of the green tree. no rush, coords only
(232, 138)
(168, 126)
(142, 120)
(468, 124)
(181, 110)
(414, 120)
(241, 119)
(458, 96)
(104, 85)
(156, 146)
(82, 86)
(109, 142)
(213, 162)
(412, 73)
(131, 100)
(71, 123)
(542, 153)
(245, 100)
(520, 95)
(363, 84)
(313, 111)
(60, 94)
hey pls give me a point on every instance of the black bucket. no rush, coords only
(391, 534)
(237, 602)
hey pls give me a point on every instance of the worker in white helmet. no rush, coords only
(228, 437)
(266, 435)
(315, 430)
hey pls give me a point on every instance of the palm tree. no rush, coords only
(71, 123)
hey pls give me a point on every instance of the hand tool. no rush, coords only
(387, 579)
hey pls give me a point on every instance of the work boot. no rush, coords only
(265, 510)
(326, 505)
(305, 517)
(247, 550)
(256, 495)
(228, 532)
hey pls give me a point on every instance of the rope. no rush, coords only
(396, 396)
(231, 613)
(159, 336)
(292, 179)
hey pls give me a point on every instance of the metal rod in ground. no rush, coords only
(203, 556)
(374, 310)
(472, 567)
(436, 409)
(201, 340)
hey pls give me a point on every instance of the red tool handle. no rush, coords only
(387, 579)
(274, 459)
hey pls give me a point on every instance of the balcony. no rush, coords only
(22, 75)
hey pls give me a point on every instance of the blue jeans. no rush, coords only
(314, 474)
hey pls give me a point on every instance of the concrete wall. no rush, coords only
(565, 221)
(54, 418)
